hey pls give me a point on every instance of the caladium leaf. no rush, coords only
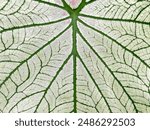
(74, 56)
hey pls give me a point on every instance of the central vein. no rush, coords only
(75, 53)
(74, 16)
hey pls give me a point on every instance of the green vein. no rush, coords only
(114, 19)
(74, 55)
(102, 33)
(81, 6)
(57, 73)
(33, 25)
(89, 2)
(94, 82)
(74, 16)
(51, 4)
(142, 11)
(108, 69)
(25, 98)
(74, 72)
(67, 7)
(14, 11)
(18, 8)
(74, 52)
(5, 5)
(60, 105)
(90, 96)
(34, 54)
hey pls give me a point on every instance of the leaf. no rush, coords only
(74, 56)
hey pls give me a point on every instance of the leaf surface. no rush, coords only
(74, 56)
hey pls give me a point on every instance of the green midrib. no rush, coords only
(74, 13)
(74, 52)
